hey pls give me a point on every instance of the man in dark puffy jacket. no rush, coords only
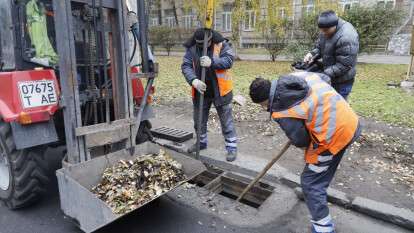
(217, 89)
(338, 46)
(316, 118)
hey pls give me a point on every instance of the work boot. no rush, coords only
(231, 155)
(193, 148)
(322, 227)
(313, 230)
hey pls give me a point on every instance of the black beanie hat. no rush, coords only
(199, 34)
(328, 19)
(215, 36)
(260, 90)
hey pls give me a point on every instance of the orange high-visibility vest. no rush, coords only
(224, 79)
(328, 117)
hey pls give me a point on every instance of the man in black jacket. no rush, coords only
(338, 46)
(218, 86)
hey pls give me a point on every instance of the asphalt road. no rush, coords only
(162, 216)
(165, 215)
(183, 211)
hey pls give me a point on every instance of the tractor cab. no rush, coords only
(65, 73)
(27, 35)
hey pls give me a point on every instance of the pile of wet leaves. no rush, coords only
(131, 183)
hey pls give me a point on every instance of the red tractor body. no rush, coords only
(28, 96)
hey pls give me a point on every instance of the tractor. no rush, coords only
(70, 74)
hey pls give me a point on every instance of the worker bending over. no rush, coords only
(319, 120)
(217, 89)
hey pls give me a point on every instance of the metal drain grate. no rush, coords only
(206, 177)
(171, 134)
(231, 186)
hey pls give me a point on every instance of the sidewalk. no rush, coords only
(373, 59)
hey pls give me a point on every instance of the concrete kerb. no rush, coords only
(251, 166)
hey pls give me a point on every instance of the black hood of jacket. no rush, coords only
(290, 91)
(199, 35)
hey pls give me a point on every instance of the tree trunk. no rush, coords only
(175, 14)
(177, 23)
(159, 12)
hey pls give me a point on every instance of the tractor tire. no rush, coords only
(23, 173)
(144, 132)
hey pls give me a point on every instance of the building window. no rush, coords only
(309, 7)
(227, 21)
(170, 21)
(188, 21)
(348, 4)
(389, 4)
(282, 12)
(250, 21)
(154, 22)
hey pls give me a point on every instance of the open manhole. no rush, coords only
(206, 177)
(231, 186)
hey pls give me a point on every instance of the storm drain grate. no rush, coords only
(231, 186)
(206, 177)
(171, 134)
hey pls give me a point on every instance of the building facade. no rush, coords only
(176, 14)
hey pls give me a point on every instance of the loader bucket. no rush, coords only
(76, 181)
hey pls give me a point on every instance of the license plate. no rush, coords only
(37, 93)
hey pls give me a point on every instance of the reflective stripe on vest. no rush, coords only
(224, 79)
(328, 117)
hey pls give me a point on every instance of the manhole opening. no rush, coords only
(206, 177)
(231, 186)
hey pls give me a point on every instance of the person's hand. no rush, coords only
(308, 58)
(205, 61)
(199, 86)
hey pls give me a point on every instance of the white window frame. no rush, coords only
(170, 21)
(154, 21)
(249, 24)
(188, 21)
(309, 8)
(227, 21)
(386, 2)
(281, 11)
(350, 3)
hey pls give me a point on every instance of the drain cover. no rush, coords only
(231, 186)
(171, 134)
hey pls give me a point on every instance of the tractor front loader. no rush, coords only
(68, 77)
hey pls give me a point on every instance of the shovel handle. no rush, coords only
(268, 166)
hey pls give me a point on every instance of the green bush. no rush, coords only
(164, 37)
(308, 24)
(297, 50)
(374, 25)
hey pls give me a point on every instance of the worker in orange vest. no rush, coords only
(319, 120)
(217, 89)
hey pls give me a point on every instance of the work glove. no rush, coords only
(199, 86)
(205, 61)
(308, 58)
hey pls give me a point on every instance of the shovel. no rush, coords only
(208, 25)
(268, 166)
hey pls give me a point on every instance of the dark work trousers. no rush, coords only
(315, 180)
(344, 89)
(225, 113)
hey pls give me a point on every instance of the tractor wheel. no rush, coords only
(144, 132)
(22, 172)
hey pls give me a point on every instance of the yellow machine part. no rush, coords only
(209, 14)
